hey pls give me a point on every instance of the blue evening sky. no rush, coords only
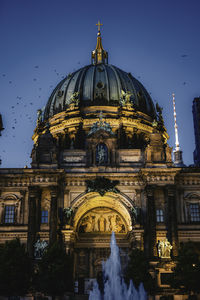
(158, 41)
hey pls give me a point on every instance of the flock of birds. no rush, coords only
(23, 111)
(23, 108)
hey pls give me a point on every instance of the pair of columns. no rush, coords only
(170, 220)
(34, 218)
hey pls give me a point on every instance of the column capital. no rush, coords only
(34, 191)
(149, 190)
(54, 191)
(171, 190)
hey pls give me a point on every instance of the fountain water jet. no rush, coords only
(114, 286)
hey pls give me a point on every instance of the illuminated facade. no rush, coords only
(101, 163)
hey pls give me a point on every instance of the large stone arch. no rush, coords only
(90, 201)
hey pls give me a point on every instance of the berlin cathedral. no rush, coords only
(101, 163)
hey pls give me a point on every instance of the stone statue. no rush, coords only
(101, 125)
(39, 116)
(119, 225)
(160, 116)
(68, 215)
(112, 223)
(39, 248)
(101, 154)
(164, 248)
(74, 99)
(133, 213)
(101, 223)
(125, 98)
(88, 223)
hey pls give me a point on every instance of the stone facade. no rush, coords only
(92, 167)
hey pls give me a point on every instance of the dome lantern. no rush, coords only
(99, 55)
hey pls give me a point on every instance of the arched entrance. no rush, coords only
(95, 219)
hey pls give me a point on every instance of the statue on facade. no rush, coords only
(39, 248)
(125, 99)
(133, 213)
(160, 116)
(164, 248)
(101, 154)
(40, 116)
(102, 223)
(74, 100)
(101, 125)
(68, 214)
(112, 223)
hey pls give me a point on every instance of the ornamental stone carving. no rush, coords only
(102, 220)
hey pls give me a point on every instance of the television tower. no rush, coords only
(178, 161)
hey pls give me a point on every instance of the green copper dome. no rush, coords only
(99, 84)
(96, 85)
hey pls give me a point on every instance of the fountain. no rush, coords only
(114, 286)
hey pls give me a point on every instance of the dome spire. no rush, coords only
(99, 55)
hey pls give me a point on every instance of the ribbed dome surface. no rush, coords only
(100, 84)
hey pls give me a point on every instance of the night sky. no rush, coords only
(44, 40)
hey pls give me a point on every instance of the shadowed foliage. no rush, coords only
(15, 269)
(54, 273)
(138, 271)
(187, 270)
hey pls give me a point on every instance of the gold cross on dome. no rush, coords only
(99, 24)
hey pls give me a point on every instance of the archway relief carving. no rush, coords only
(95, 213)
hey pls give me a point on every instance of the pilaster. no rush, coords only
(33, 219)
(151, 222)
(171, 221)
(53, 214)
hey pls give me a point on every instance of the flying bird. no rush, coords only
(184, 55)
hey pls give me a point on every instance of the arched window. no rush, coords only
(101, 154)
(10, 209)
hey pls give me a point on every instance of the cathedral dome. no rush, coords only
(99, 84)
(98, 109)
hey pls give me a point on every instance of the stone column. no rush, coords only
(33, 226)
(22, 207)
(150, 228)
(171, 220)
(53, 215)
(2, 212)
(91, 263)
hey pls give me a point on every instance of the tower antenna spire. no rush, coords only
(178, 161)
(177, 148)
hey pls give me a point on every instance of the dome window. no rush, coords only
(99, 85)
(60, 93)
(100, 69)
